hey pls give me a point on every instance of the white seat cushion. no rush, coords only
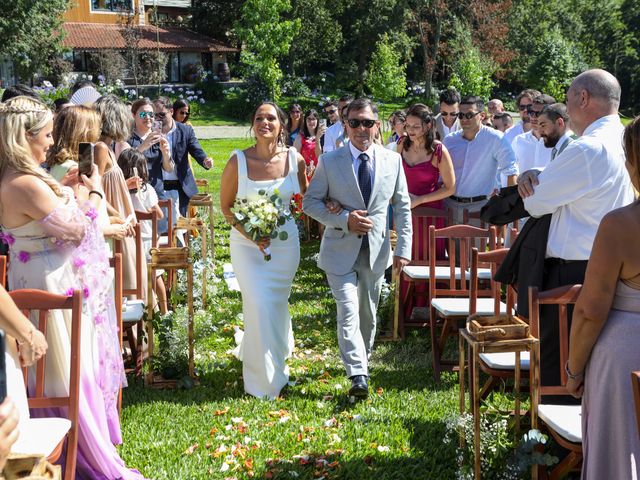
(421, 272)
(40, 436)
(505, 360)
(484, 273)
(564, 419)
(459, 307)
(132, 311)
(163, 241)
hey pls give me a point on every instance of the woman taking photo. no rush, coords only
(56, 246)
(271, 167)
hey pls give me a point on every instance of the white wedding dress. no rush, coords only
(265, 287)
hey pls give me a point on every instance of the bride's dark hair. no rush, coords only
(282, 117)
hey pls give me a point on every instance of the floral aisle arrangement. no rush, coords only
(262, 217)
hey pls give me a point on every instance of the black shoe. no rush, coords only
(359, 387)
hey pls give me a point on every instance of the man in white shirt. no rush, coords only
(553, 127)
(581, 185)
(336, 131)
(477, 152)
(495, 106)
(502, 122)
(447, 120)
(524, 101)
(529, 147)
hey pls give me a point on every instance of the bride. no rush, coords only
(267, 166)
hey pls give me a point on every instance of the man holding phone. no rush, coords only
(182, 143)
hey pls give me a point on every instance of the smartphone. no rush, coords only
(157, 127)
(135, 174)
(323, 122)
(3, 369)
(85, 158)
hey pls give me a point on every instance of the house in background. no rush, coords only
(95, 25)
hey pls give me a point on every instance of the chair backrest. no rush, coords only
(137, 291)
(3, 270)
(115, 262)
(166, 207)
(153, 217)
(491, 259)
(635, 381)
(202, 183)
(562, 297)
(421, 218)
(460, 240)
(501, 231)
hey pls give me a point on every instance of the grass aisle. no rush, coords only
(312, 431)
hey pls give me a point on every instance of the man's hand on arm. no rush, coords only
(359, 223)
(526, 183)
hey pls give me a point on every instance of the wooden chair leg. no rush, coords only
(567, 464)
(435, 351)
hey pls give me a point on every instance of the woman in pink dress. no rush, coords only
(430, 179)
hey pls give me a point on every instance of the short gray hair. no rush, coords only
(361, 104)
(600, 84)
(117, 121)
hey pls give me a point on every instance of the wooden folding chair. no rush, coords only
(504, 233)
(47, 435)
(450, 296)
(563, 421)
(635, 381)
(138, 290)
(497, 365)
(166, 240)
(416, 274)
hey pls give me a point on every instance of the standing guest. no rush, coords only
(425, 161)
(181, 111)
(336, 130)
(59, 104)
(155, 147)
(553, 126)
(447, 120)
(18, 91)
(502, 122)
(605, 336)
(182, 141)
(529, 147)
(524, 102)
(477, 152)
(270, 166)
(57, 246)
(330, 110)
(295, 123)
(495, 106)
(307, 142)
(578, 188)
(364, 178)
(396, 124)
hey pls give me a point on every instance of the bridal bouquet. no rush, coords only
(262, 217)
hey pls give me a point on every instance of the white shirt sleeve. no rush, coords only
(148, 197)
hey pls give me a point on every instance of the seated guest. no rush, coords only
(57, 246)
(603, 349)
(502, 121)
(295, 122)
(523, 101)
(180, 183)
(447, 120)
(477, 152)
(529, 147)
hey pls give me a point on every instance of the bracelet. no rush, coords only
(97, 193)
(571, 375)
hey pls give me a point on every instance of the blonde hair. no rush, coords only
(21, 117)
(74, 124)
(117, 121)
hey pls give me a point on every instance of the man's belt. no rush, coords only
(468, 199)
(171, 185)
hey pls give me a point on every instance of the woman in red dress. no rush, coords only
(306, 142)
(430, 179)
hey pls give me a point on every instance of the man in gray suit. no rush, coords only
(364, 178)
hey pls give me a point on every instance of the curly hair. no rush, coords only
(74, 124)
(117, 120)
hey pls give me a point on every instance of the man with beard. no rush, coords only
(553, 126)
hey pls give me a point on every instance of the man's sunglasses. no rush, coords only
(365, 123)
(468, 115)
(532, 112)
(146, 114)
(331, 112)
(522, 108)
(161, 115)
(449, 114)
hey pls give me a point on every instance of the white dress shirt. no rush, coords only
(331, 136)
(172, 175)
(355, 153)
(580, 186)
(530, 152)
(476, 162)
(513, 132)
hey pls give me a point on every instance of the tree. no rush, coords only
(31, 34)
(386, 77)
(266, 36)
(216, 18)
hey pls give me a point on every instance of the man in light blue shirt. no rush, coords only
(478, 154)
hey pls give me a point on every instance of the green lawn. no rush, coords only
(212, 113)
(396, 434)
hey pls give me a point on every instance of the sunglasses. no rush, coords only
(296, 111)
(161, 115)
(186, 114)
(330, 112)
(533, 113)
(146, 114)
(468, 115)
(449, 114)
(365, 123)
(523, 107)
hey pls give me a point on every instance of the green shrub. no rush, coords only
(386, 76)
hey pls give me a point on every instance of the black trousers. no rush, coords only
(557, 272)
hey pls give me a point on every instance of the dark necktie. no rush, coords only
(554, 152)
(364, 180)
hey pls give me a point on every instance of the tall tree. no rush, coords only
(31, 34)
(216, 18)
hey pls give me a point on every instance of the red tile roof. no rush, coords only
(102, 36)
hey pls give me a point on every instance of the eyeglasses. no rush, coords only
(532, 112)
(449, 114)
(146, 114)
(523, 107)
(161, 115)
(331, 112)
(186, 114)
(468, 115)
(365, 123)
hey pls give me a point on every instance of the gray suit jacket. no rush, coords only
(334, 178)
(440, 124)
